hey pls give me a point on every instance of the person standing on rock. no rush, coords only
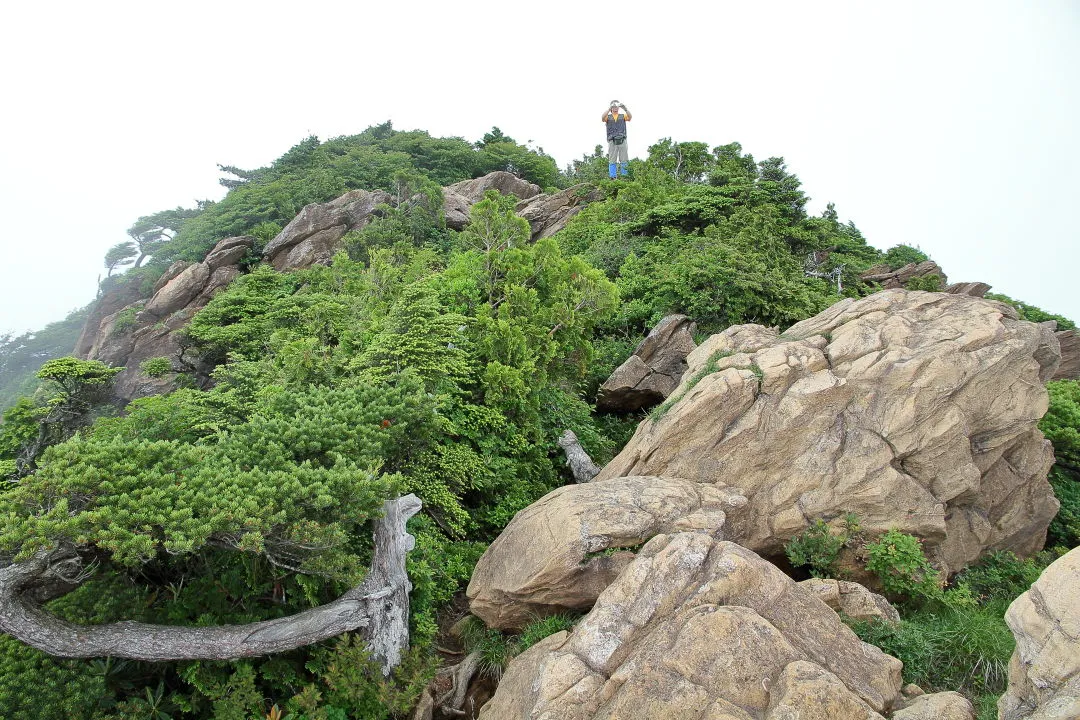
(616, 138)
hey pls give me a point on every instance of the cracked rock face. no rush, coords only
(700, 629)
(551, 558)
(1044, 673)
(913, 410)
(653, 372)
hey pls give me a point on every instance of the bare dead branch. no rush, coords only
(378, 608)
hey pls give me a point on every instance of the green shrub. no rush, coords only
(1065, 527)
(900, 564)
(1002, 575)
(156, 367)
(819, 547)
(497, 649)
(931, 283)
(125, 321)
(898, 256)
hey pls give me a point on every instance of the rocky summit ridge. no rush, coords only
(912, 410)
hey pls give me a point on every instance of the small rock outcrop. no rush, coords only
(653, 372)
(974, 289)
(1044, 673)
(700, 628)
(890, 279)
(913, 410)
(1069, 342)
(150, 329)
(852, 599)
(555, 554)
(459, 198)
(314, 236)
(548, 214)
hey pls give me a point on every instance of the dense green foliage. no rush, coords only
(1061, 425)
(421, 360)
(315, 172)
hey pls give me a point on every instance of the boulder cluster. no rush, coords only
(913, 410)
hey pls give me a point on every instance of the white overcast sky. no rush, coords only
(947, 125)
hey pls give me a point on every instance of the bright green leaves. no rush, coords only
(419, 337)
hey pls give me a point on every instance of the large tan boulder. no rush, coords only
(913, 410)
(698, 628)
(1044, 673)
(314, 235)
(459, 198)
(556, 554)
(653, 371)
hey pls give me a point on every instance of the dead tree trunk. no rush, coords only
(378, 608)
(581, 465)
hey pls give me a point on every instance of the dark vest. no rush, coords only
(616, 128)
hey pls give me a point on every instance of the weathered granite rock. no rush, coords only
(459, 198)
(913, 410)
(505, 183)
(700, 628)
(936, 706)
(150, 328)
(550, 557)
(228, 252)
(653, 371)
(1069, 342)
(179, 291)
(974, 289)
(314, 235)
(852, 599)
(1044, 673)
(890, 279)
(548, 214)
